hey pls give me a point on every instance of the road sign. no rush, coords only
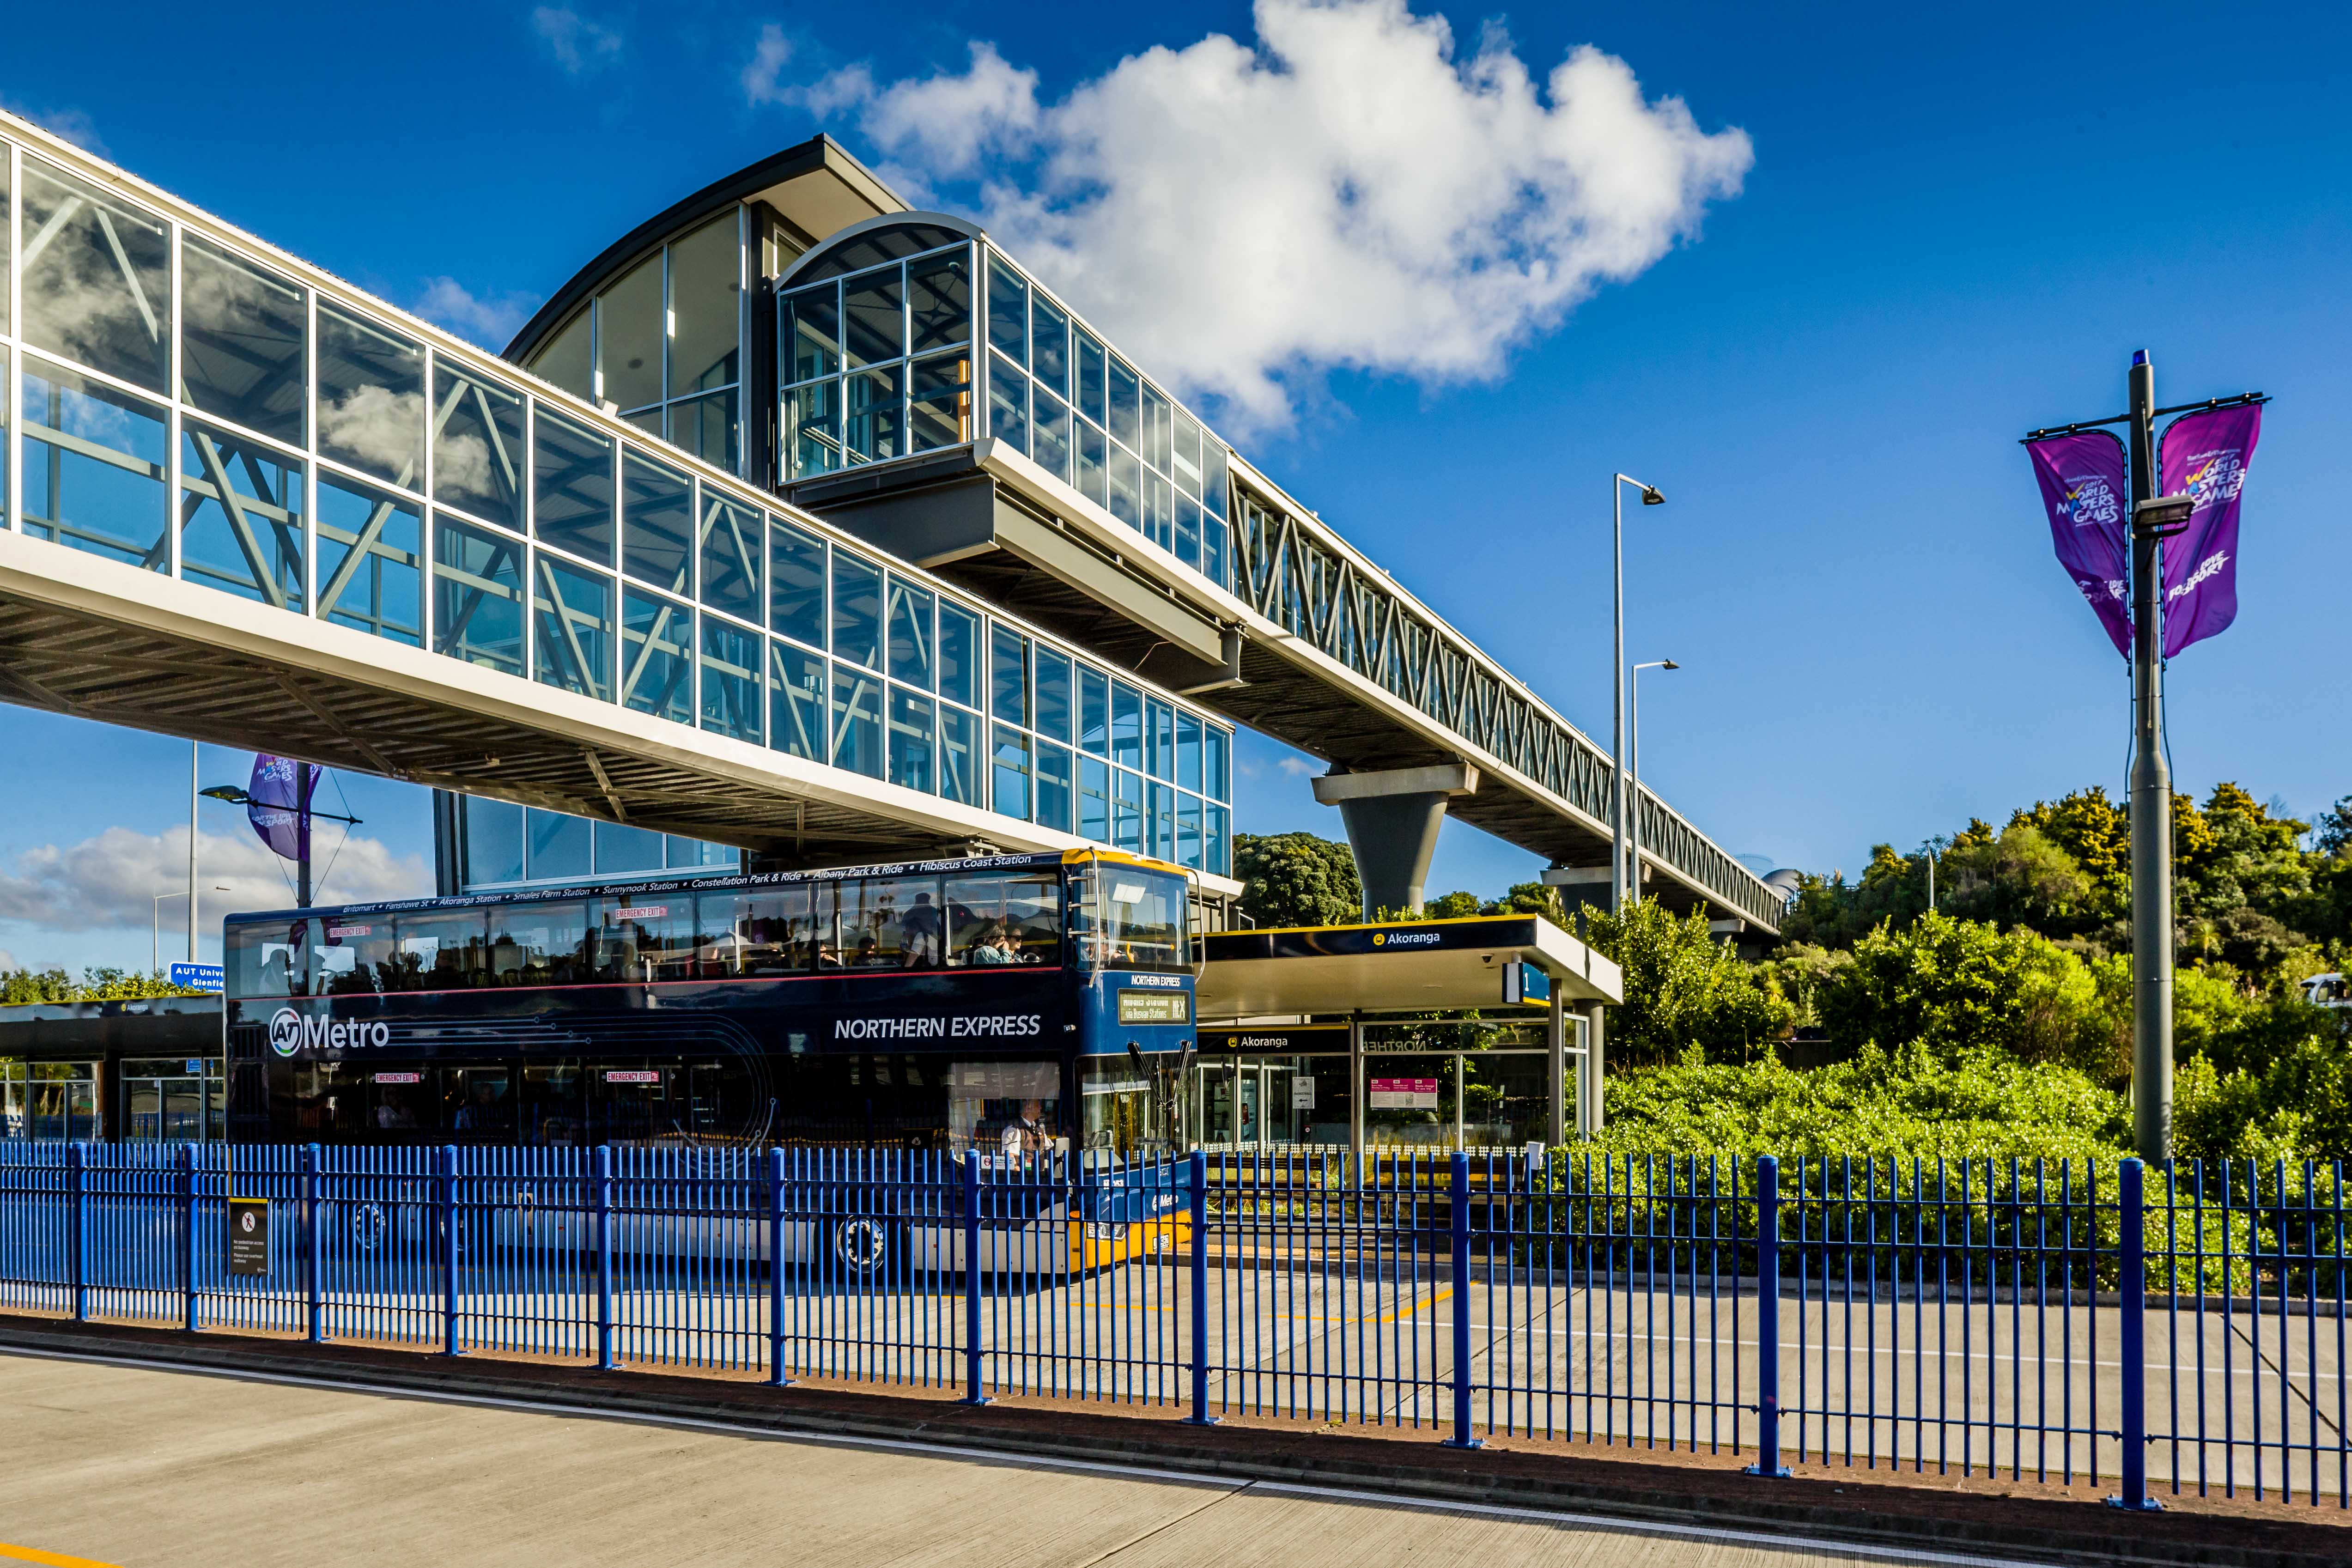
(249, 1235)
(197, 976)
(1302, 1091)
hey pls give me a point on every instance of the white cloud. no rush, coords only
(762, 79)
(1299, 767)
(111, 881)
(8, 961)
(579, 43)
(489, 320)
(1348, 193)
(72, 124)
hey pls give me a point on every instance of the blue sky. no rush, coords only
(1955, 229)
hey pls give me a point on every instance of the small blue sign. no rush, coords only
(197, 976)
(195, 1068)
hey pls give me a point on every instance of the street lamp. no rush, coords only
(233, 796)
(1650, 496)
(1633, 766)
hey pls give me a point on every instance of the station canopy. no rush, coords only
(1412, 966)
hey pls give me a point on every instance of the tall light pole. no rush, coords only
(2154, 518)
(193, 748)
(1650, 496)
(1634, 767)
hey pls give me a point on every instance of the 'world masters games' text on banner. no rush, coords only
(2205, 455)
(2083, 486)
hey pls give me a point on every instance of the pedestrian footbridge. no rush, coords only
(796, 520)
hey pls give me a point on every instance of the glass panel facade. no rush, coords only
(240, 517)
(796, 710)
(861, 356)
(796, 584)
(705, 305)
(572, 627)
(508, 530)
(371, 546)
(370, 399)
(477, 447)
(570, 358)
(97, 279)
(571, 479)
(629, 333)
(656, 523)
(731, 679)
(242, 332)
(856, 720)
(477, 595)
(657, 656)
(93, 468)
(731, 550)
(504, 845)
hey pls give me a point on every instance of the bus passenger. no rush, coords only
(921, 929)
(986, 949)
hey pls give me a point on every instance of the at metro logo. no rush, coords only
(290, 1032)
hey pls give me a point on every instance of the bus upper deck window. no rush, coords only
(1141, 919)
(999, 919)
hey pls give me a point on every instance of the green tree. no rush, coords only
(1452, 906)
(97, 984)
(1686, 992)
(2024, 876)
(1952, 985)
(1296, 880)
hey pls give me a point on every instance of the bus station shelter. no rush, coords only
(1286, 1057)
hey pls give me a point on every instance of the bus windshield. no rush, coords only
(1129, 917)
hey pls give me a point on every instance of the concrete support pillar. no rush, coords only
(1591, 1112)
(1392, 817)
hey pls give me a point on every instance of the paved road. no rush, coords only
(122, 1466)
(2015, 1384)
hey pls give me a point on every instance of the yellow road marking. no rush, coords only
(53, 1559)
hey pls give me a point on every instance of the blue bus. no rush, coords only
(1035, 1007)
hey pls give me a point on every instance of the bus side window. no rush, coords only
(268, 960)
(440, 950)
(1004, 920)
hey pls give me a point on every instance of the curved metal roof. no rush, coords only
(817, 187)
(871, 234)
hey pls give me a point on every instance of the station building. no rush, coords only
(816, 531)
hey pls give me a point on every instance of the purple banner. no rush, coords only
(2205, 455)
(280, 815)
(2083, 487)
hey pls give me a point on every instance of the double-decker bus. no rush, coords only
(1017, 1005)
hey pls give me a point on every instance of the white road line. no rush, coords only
(1043, 1462)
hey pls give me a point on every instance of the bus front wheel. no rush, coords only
(862, 1247)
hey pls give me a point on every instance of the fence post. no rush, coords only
(448, 1184)
(1767, 1318)
(1458, 1203)
(972, 1356)
(2131, 1288)
(314, 1236)
(78, 1191)
(1198, 1184)
(192, 1317)
(776, 1269)
(602, 1198)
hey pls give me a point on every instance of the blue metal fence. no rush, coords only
(2056, 1322)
